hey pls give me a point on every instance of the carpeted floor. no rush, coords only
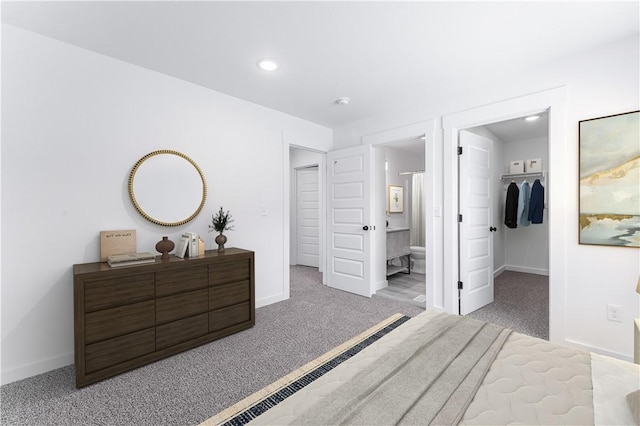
(193, 386)
(521, 302)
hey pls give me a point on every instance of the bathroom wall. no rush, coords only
(401, 161)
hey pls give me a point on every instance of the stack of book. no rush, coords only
(129, 259)
(190, 245)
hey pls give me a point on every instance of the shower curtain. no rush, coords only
(417, 211)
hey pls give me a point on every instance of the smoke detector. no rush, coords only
(343, 101)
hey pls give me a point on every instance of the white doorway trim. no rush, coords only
(286, 216)
(553, 100)
(433, 201)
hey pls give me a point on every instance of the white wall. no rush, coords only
(73, 124)
(400, 161)
(599, 82)
(527, 247)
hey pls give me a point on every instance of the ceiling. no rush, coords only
(383, 55)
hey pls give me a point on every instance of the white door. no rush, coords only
(476, 239)
(348, 221)
(308, 216)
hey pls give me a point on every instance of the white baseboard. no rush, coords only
(30, 370)
(526, 270)
(598, 350)
(382, 284)
(270, 300)
(499, 271)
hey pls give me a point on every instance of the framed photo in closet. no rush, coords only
(396, 199)
(609, 169)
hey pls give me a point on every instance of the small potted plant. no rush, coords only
(220, 222)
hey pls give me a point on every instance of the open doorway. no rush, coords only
(516, 249)
(404, 201)
(553, 101)
(306, 221)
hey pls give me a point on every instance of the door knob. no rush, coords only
(365, 228)
(493, 229)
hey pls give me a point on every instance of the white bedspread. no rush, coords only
(612, 381)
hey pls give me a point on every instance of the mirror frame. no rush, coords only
(145, 214)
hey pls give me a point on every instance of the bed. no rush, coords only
(439, 368)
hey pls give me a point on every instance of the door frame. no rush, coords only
(553, 100)
(433, 201)
(286, 216)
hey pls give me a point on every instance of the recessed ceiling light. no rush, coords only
(268, 64)
(343, 101)
(532, 118)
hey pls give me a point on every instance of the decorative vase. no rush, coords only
(220, 240)
(165, 246)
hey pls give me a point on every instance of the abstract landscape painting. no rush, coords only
(610, 180)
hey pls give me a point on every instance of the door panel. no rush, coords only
(308, 217)
(476, 240)
(348, 207)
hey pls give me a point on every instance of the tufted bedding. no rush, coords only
(530, 381)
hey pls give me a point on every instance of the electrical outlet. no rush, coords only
(614, 313)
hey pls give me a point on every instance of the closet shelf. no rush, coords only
(522, 175)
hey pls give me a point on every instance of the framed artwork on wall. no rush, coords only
(396, 199)
(609, 168)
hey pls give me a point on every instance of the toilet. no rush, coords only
(418, 259)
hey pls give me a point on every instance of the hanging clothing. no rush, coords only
(511, 206)
(523, 204)
(536, 204)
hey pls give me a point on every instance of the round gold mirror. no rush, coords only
(167, 188)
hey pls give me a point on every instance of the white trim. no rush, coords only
(526, 270)
(264, 301)
(499, 271)
(30, 370)
(553, 100)
(598, 350)
(382, 284)
(433, 197)
(286, 287)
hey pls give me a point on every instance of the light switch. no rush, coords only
(437, 211)
(263, 211)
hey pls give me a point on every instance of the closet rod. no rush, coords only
(410, 173)
(524, 175)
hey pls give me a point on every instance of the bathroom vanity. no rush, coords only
(398, 247)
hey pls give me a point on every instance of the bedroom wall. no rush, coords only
(599, 82)
(73, 124)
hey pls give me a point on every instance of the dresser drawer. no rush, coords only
(113, 322)
(182, 305)
(226, 317)
(228, 272)
(229, 294)
(119, 349)
(186, 279)
(100, 294)
(181, 331)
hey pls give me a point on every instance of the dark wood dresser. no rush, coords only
(130, 316)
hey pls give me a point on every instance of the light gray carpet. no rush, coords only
(193, 386)
(521, 302)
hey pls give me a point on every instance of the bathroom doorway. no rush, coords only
(405, 220)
